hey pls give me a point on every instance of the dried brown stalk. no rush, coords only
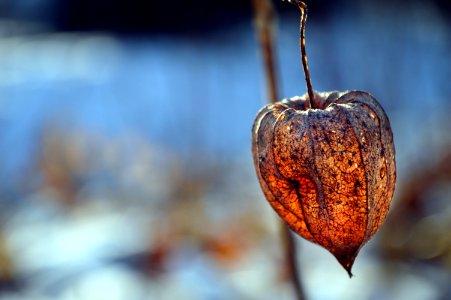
(265, 24)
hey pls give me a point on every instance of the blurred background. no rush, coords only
(125, 162)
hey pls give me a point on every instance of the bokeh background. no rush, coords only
(125, 164)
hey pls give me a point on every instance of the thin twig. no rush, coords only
(264, 23)
(303, 8)
(290, 252)
(264, 17)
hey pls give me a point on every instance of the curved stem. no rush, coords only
(303, 7)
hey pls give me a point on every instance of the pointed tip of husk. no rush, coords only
(347, 260)
(347, 265)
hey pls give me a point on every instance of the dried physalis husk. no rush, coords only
(328, 171)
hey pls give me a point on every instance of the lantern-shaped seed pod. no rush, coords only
(326, 164)
(329, 172)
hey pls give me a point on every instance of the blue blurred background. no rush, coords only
(125, 164)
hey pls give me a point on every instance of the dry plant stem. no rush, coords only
(303, 8)
(290, 252)
(291, 261)
(264, 15)
(264, 19)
